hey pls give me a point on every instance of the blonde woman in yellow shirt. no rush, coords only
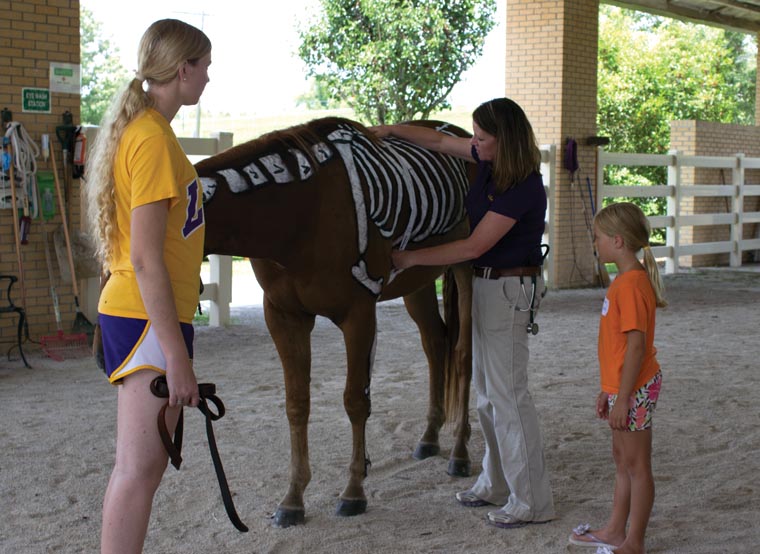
(146, 212)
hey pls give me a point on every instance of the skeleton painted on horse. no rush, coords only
(318, 208)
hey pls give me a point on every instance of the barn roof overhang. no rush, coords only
(737, 15)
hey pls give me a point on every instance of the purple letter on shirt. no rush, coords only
(194, 215)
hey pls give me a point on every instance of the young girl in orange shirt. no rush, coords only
(629, 372)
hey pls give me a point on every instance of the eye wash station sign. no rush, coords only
(64, 77)
(35, 100)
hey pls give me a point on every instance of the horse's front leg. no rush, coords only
(459, 461)
(291, 333)
(422, 306)
(359, 334)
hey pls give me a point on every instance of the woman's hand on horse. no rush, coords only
(381, 131)
(401, 259)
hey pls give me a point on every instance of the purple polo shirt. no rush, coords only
(524, 202)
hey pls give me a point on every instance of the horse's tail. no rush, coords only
(453, 365)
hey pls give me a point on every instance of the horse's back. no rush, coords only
(329, 193)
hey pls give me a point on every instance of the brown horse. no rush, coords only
(318, 208)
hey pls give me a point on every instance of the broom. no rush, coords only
(60, 346)
(77, 343)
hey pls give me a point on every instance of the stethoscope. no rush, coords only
(532, 327)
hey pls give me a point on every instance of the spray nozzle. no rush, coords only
(45, 147)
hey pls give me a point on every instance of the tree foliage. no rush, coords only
(653, 70)
(102, 70)
(395, 60)
(318, 97)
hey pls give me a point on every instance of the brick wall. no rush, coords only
(551, 67)
(703, 138)
(34, 33)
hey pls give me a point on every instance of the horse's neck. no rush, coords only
(268, 222)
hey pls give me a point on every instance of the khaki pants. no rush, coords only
(514, 472)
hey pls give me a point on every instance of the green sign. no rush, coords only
(63, 72)
(35, 100)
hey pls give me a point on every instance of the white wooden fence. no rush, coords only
(549, 173)
(219, 290)
(674, 191)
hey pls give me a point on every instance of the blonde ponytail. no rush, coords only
(627, 220)
(99, 182)
(650, 264)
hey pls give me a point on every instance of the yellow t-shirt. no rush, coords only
(150, 166)
(629, 305)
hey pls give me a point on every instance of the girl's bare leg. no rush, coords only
(140, 463)
(614, 530)
(637, 460)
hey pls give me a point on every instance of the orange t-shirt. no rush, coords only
(628, 306)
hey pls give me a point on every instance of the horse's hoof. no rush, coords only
(285, 517)
(425, 450)
(459, 468)
(348, 508)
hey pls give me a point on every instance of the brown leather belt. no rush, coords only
(207, 392)
(498, 273)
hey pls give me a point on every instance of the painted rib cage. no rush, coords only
(410, 187)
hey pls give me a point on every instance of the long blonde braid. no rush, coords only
(99, 181)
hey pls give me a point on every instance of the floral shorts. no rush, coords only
(641, 403)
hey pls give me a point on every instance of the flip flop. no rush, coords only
(583, 531)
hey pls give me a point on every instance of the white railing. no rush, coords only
(549, 173)
(219, 290)
(674, 191)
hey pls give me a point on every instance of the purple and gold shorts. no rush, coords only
(130, 344)
(641, 403)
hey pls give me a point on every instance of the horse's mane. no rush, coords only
(301, 137)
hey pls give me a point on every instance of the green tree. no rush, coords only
(318, 97)
(102, 71)
(394, 60)
(649, 75)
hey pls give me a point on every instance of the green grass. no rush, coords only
(200, 320)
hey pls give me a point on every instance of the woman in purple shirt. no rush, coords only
(507, 208)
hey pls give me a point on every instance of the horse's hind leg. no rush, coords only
(359, 334)
(291, 333)
(422, 306)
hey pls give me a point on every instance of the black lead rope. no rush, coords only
(207, 393)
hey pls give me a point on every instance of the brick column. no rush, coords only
(551, 71)
(34, 33)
